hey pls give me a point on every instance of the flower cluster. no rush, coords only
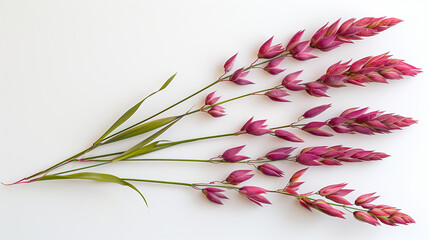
(330, 199)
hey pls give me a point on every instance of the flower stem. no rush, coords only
(194, 185)
(253, 65)
(196, 93)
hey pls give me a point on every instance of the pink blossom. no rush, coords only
(267, 51)
(283, 134)
(217, 111)
(302, 51)
(277, 95)
(214, 194)
(290, 82)
(211, 99)
(365, 217)
(238, 77)
(238, 177)
(229, 63)
(272, 68)
(254, 194)
(270, 170)
(279, 154)
(230, 155)
(316, 111)
(255, 127)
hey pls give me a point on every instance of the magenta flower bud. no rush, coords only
(301, 51)
(316, 89)
(256, 128)
(279, 154)
(309, 159)
(229, 63)
(316, 111)
(270, 170)
(238, 177)
(327, 209)
(294, 40)
(271, 67)
(211, 99)
(214, 194)
(254, 194)
(305, 203)
(217, 111)
(290, 82)
(267, 51)
(313, 128)
(277, 95)
(297, 175)
(230, 155)
(365, 217)
(331, 189)
(283, 134)
(238, 77)
(365, 199)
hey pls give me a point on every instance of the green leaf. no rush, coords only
(101, 177)
(151, 137)
(121, 120)
(136, 152)
(143, 128)
(131, 112)
(167, 82)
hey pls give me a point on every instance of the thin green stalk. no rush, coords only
(162, 111)
(234, 188)
(195, 93)
(61, 163)
(170, 144)
(77, 169)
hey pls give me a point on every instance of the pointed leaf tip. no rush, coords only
(167, 82)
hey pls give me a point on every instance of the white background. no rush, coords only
(68, 69)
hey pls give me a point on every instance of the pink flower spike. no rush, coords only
(270, 170)
(365, 217)
(230, 155)
(229, 63)
(211, 99)
(277, 95)
(283, 134)
(256, 128)
(253, 194)
(217, 111)
(267, 51)
(316, 111)
(214, 194)
(238, 177)
(294, 40)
